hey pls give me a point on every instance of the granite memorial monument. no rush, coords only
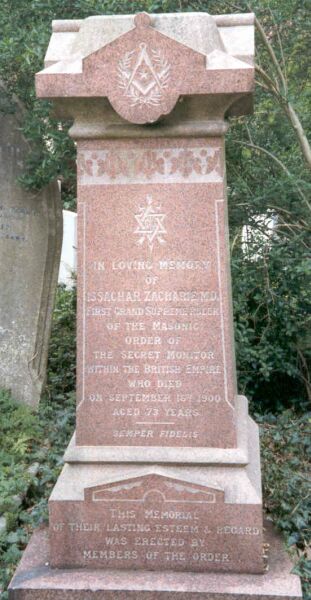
(160, 496)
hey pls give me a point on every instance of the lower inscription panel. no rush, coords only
(156, 522)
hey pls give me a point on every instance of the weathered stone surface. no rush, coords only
(206, 518)
(143, 72)
(237, 455)
(30, 245)
(35, 580)
(121, 515)
(234, 34)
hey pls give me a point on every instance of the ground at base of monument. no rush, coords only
(35, 580)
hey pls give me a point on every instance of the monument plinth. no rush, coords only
(163, 473)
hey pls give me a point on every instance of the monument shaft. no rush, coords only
(155, 343)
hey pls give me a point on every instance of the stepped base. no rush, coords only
(159, 517)
(156, 519)
(35, 580)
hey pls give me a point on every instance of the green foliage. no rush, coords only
(272, 313)
(14, 450)
(62, 349)
(22, 419)
(52, 153)
(286, 454)
(271, 281)
(39, 437)
(19, 428)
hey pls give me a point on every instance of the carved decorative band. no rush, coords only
(161, 165)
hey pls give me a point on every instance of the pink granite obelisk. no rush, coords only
(163, 473)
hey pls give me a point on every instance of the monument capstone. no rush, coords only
(160, 496)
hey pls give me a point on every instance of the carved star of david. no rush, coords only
(150, 224)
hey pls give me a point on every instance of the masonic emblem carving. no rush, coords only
(143, 74)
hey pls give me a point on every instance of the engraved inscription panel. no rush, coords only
(155, 363)
(155, 522)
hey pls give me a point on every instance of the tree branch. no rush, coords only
(271, 53)
(300, 134)
(282, 97)
(279, 162)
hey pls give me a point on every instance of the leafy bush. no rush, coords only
(19, 429)
(53, 426)
(15, 449)
(272, 308)
(40, 437)
(286, 454)
(62, 349)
